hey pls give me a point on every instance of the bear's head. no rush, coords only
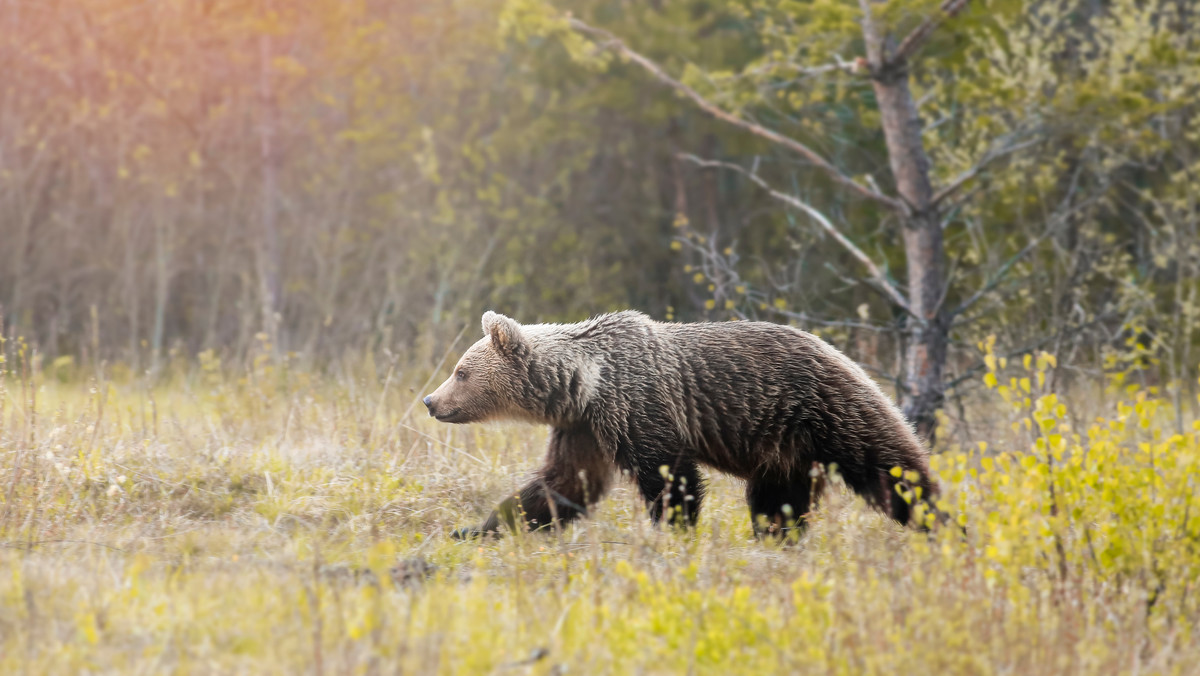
(488, 383)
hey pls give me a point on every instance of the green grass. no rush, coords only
(277, 522)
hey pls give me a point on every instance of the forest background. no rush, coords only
(344, 177)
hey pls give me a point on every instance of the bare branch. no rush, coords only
(1025, 251)
(837, 323)
(1001, 273)
(914, 40)
(611, 41)
(892, 293)
(854, 67)
(990, 156)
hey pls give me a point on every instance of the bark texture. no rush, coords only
(924, 248)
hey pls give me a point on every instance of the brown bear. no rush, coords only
(767, 403)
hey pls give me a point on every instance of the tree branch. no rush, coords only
(611, 41)
(889, 290)
(873, 42)
(853, 67)
(988, 157)
(916, 39)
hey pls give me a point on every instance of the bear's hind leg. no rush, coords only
(677, 492)
(778, 507)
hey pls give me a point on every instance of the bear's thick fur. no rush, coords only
(763, 402)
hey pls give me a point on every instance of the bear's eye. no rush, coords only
(461, 375)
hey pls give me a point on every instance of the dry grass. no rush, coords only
(273, 522)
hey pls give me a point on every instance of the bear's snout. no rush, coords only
(444, 411)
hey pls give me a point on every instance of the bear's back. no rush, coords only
(748, 387)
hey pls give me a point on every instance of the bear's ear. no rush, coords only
(504, 332)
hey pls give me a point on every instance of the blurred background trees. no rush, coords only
(334, 175)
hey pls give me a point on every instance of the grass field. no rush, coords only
(269, 521)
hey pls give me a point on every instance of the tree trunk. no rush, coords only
(923, 245)
(926, 358)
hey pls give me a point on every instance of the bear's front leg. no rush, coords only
(575, 475)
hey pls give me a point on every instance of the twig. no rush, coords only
(915, 39)
(1007, 266)
(990, 156)
(839, 323)
(460, 451)
(854, 67)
